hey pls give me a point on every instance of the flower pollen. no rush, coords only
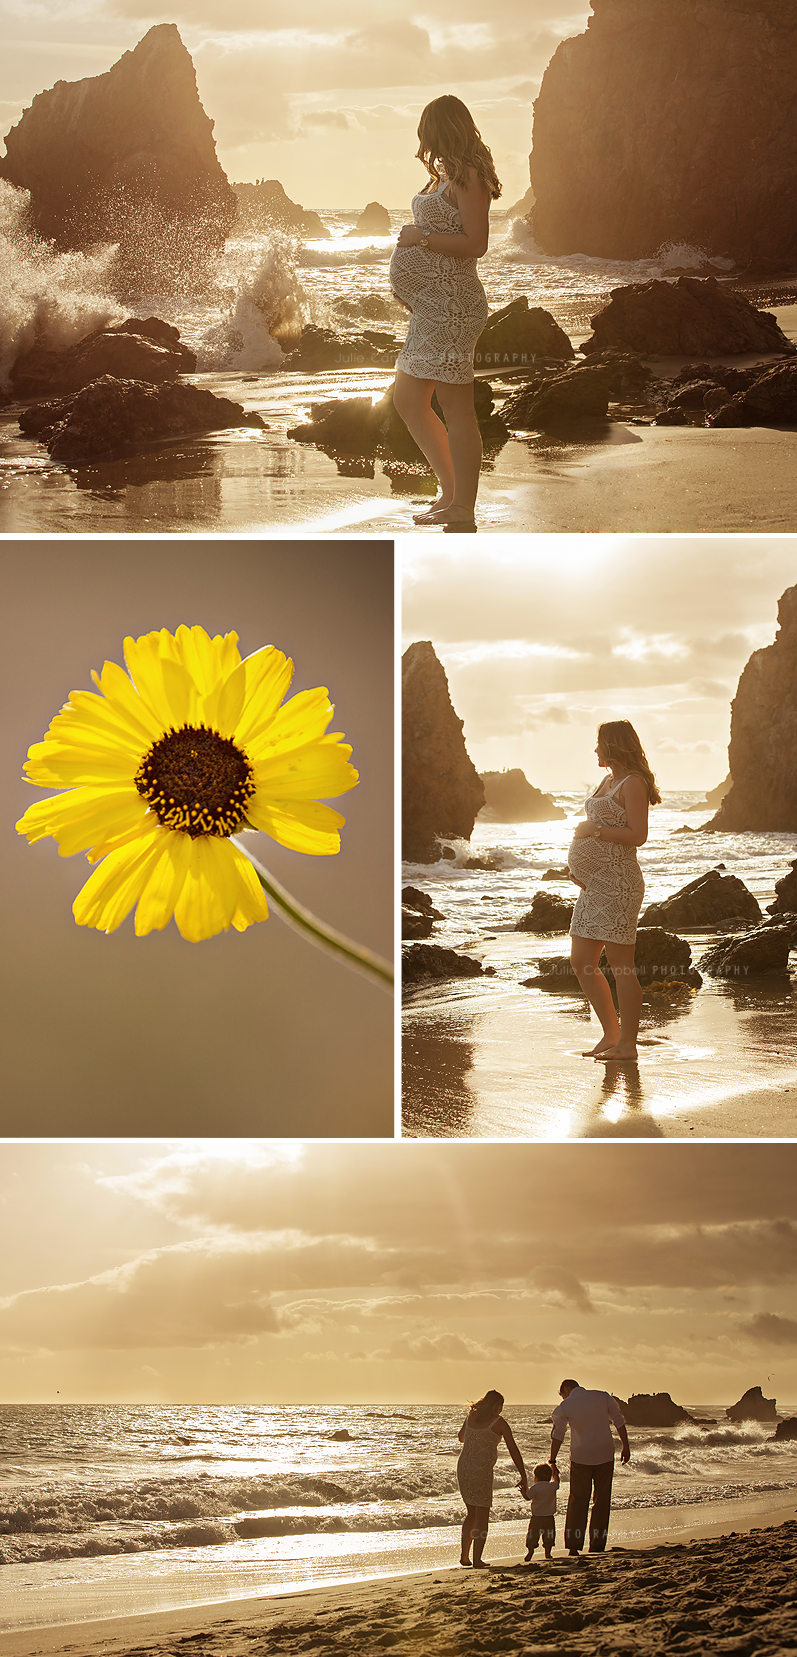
(196, 781)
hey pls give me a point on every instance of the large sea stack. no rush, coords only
(441, 789)
(671, 121)
(763, 748)
(127, 157)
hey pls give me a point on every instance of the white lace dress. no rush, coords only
(477, 1459)
(608, 908)
(448, 303)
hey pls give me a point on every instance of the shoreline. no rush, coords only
(284, 1620)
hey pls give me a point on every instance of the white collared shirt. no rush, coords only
(588, 1415)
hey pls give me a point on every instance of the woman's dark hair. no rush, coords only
(485, 1408)
(620, 743)
(447, 133)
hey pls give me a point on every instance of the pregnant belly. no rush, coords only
(408, 273)
(585, 857)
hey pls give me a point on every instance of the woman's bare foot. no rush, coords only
(621, 1050)
(432, 513)
(601, 1047)
(456, 519)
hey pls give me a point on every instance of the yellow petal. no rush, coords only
(163, 885)
(111, 891)
(304, 718)
(206, 660)
(321, 769)
(160, 680)
(121, 695)
(302, 825)
(83, 818)
(268, 674)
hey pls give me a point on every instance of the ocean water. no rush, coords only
(476, 902)
(108, 1510)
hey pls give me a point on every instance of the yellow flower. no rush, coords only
(164, 765)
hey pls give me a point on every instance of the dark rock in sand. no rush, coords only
(766, 950)
(556, 874)
(548, 914)
(111, 417)
(581, 394)
(373, 221)
(653, 1409)
(665, 319)
(510, 798)
(706, 901)
(693, 395)
(415, 924)
(671, 121)
(441, 789)
(356, 425)
(432, 961)
(660, 958)
(321, 348)
(149, 350)
(413, 898)
(671, 417)
(265, 206)
(752, 1406)
(518, 336)
(785, 1430)
(763, 745)
(770, 401)
(128, 157)
(785, 894)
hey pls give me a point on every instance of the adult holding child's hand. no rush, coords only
(480, 1435)
(589, 1415)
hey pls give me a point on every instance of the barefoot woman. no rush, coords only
(602, 861)
(433, 274)
(480, 1435)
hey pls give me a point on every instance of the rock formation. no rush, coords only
(752, 1406)
(519, 335)
(134, 350)
(660, 958)
(765, 950)
(510, 798)
(548, 914)
(112, 417)
(785, 1430)
(653, 1409)
(708, 901)
(715, 796)
(265, 206)
(433, 961)
(691, 317)
(785, 894)
(373, 221)
(441, 789)
(762, 754)
(418, 913)
(128, 157)
(671, 121)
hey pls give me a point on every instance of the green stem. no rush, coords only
(325, 937)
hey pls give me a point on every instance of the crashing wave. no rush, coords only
(49, 299)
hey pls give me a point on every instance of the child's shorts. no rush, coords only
(542, 1529)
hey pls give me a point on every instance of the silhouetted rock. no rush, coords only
(785, 1430)
(764, 735)
(418, 914)
(660, 958)
(413, 898)
(580, 394)
(714, 796)
(321, 348)
(785, 894)
(111, 417)
(770, 401)
(520, 335)
(441, 789)
(432, 961)
(149, 350)
(666, 319)
(653, 1409)
(373, 221)
(510, 798)
(358, 426)
(342, 1436)
(265, 206)
(670, 121)
(128, 157)
(706, 901)
(548, 913)
(765, 950)
(752, 1406)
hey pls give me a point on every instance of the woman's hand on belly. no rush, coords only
(584, 829)
(401, 301)
(409, 235)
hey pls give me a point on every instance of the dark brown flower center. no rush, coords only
(196, 781)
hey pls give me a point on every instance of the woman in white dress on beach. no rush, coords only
(433, 274)
(480, 1435)
(602, 861)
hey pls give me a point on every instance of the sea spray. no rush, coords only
(268, 305)
(49, 299)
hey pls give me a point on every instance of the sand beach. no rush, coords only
(694, 1590)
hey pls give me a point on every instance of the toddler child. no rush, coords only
(542, 1495)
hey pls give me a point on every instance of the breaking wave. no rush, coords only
(48, 299)
(267, 305)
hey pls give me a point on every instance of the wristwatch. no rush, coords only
(424, 241)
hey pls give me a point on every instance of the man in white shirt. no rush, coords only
(588, 1415)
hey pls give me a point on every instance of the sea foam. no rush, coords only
(48, 299)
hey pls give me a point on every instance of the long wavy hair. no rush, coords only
(447, 133)
(484, 1410)
(622, 747)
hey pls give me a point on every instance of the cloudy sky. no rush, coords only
(542, 637)
(327, 101)
(276, 1272)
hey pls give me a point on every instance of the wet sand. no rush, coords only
(697, 1592)
(489, 1059)
(619, 478)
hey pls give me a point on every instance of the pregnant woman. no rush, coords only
(433, 274)
(480, 1435)
(602, 861)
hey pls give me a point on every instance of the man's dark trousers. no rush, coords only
(583, 1481)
